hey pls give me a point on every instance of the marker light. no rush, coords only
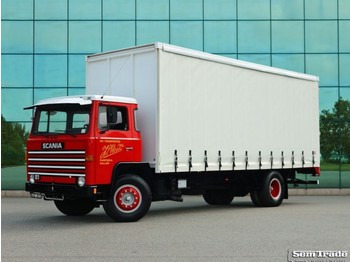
(31, 179)
(81, 181)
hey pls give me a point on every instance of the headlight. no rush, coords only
(31, 179)
(81, 181)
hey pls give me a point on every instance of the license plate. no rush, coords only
(36, 195)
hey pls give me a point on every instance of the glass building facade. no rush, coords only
(44, 44)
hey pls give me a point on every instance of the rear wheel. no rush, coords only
(130, 199)
(218, 197)
(78, 207)
(272, 192)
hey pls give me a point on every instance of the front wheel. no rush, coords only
(130, 199)
(77, 207)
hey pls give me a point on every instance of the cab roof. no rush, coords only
(82, 100)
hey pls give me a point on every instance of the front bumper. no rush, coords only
(62, 191)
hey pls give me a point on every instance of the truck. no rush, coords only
(160, 121)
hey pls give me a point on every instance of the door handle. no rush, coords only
(129, 148)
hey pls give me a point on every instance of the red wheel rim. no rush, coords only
(275, 188)
(127, 198)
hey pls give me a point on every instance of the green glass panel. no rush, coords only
(84, 36)
(219, 9)
(17, 37)
(253, 9)
(344, 9)
(186, 9)
(258, 59)
(328, 97)
(345, 93)
(50, 71)
(327, 71)
(44, 93)
(292, 62)
(17, 70)
(287, 9)
(321, 36)
(76, 70)
(118, 34)
(13, 100)
(88, 9)
(50, 37)
(187, 34)
(153, 9)
(321, 9)
(152, 31)
(287, 37)
(254, 37)
(344, 36)
(51, 9)
(17, 9)
(118, 9)
(220, 37)
(76, 91)
(344, 66)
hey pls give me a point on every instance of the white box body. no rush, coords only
(216, 113)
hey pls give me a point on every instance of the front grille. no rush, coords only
(57, 163)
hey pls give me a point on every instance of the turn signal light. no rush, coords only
(89, 158)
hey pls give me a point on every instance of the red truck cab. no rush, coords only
(74, 146)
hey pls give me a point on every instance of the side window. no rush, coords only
(113, 118)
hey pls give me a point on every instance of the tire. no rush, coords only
(79, 207)
(255, 198)
(130, 199)
(273, 190)
(218, 197)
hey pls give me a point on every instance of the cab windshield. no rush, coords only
(61, 119)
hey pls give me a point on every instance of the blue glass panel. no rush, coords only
(88, 9)
(252, 9)
(344, 36)
(220, 37)
(118, 9)
(287, 37)
(118, 35)
(186, 9)
(50, 71)
(253, 37)
(219, 9)
(17, 70)
(289, 62)
(328, 97)
(153, 9)
(13, 101)
(50, 37)
(321, 36)
(344, 66)
(287, 9)
(17, 37)
(84, 37)
(345, 93)
(152, 31)
(10, 9)
(44, 93)
(51, 9)
(320, 9)
(259, 59)
(76, 77)
(344, 9)
(328, 72)
(187, 34)
(76, 91)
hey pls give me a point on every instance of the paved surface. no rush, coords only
(33, 230)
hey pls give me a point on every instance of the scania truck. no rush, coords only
(160, 121)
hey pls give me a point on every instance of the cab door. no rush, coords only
(114, 141)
